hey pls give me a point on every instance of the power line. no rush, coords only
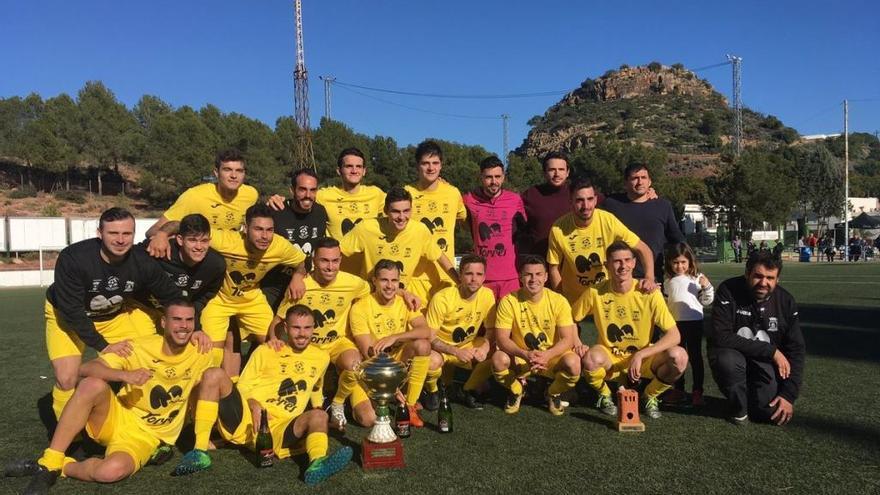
(462, 96)
(417, 109)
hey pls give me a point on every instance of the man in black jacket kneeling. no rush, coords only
(756, 349)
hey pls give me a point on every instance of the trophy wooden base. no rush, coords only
(382, 455)
(631, 427)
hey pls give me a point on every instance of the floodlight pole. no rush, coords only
(846, 178)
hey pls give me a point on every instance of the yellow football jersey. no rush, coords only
(244, 268)
(533, 325)
(330, 304)
(459, 321)
(368, 317)
(160, 403)
(282, 382)
(408, 247)
(437, 210)
(624, 321)
(581, 250)
(206, 200)
(345, 209)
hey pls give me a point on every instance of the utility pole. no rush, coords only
(328, 80)
(846, 179)
(736, 62)
(305, 153)
(504, 146)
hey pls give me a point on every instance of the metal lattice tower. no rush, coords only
(504, 145)
(305, 154)
(736, 62)
(328, 80)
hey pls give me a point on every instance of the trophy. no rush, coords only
(381, 376)
(628, 412)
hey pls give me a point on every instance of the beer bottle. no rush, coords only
(444, 415)
(265, 453)
(401, 421)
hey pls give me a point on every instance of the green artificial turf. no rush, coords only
(832, 446)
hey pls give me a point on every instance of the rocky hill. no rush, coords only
(655, 106)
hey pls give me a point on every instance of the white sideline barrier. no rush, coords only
(3, 234)
(87, 228)
(29, 234)
(26, 278)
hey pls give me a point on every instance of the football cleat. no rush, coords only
(652, 407)
(606, 405)
(325, 467)
(194, 461)
(513, 402)
(554, 404)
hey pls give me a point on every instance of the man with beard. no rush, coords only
(545, 203)
(299, 219)
(756, 349)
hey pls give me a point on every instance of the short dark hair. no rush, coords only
(324, 243)
(491, 162)
(618, 246)
(302, 171)
(258, 210)
(531, 259)
(580, 183)
(386, 264)
(229, 155)
(396, 194)
(114, 214)
(554, 155)
(469, 259)
(194, 224)
(178, 301)
(299, 310)
(635, 167)
(765, 259)
(428, 148)
(350, 151)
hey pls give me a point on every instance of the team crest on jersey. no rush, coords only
(600, 242)
(313, 372)
(773, 324)
(407, 252)
(196, 284)
(129, 286)
(96, 284)
(340, 301)
(112, 283)
(282, 369)
(304, 232)
(182, 280)
(636, 315)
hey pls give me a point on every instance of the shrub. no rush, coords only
(23, 192)
(76, 197)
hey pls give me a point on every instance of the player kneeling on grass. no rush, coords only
(279, 379)
(330, 294)
(535, 334)
(382, 322)
(157, 376)
(624, 318)
(461, 315)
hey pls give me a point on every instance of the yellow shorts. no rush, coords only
(425, 290)
(458, 363)
(121, 432)
(145, 317)
(62, 341)
(620, 364)
(521, 366)
(245, 436)
(336, 349)
(253, 313)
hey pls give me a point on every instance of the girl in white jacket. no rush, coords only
(687, 291)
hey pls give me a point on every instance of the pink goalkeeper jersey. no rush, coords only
(492, 224)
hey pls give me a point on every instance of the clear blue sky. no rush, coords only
(800, 58)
